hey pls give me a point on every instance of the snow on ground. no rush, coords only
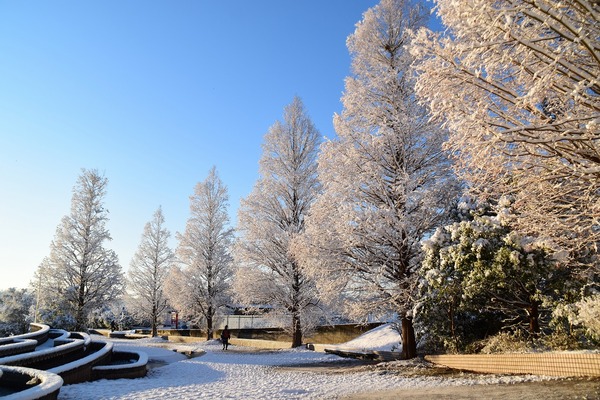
(382, 338)
(244, 373)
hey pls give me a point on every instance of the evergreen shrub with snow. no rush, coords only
(479, 278)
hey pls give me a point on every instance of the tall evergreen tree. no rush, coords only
(80, 274)
(148, 271)
(273, 215)
(199, 289)
(386, 181)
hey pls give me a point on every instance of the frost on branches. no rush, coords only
(199, 288)
(516, 82)
(479, 277)
(16, 306)
(588, 315)
(148, 271)
(386, 182)
(80, 274)
(273, 215)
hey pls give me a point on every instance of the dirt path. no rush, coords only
(558, 389)
(582, 389)
(547, 390)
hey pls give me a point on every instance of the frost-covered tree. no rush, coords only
(273, 215)
(148, 271)
(480, 265)
(588, 310)
(516, 82)
(198, 288)
(386, 181)
(580, 319)
(80, 274)
(15, 311)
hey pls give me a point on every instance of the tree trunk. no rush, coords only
(209, 326)
(534, 319)
(296, 330)
(80, 315)
(154, 321)
(409, 344)
(453, 326)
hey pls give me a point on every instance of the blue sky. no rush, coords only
(152, 94)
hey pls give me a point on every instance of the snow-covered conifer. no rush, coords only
(273, 215)
(148, 271)
(80, 274)
(386, 181)
(198, 287)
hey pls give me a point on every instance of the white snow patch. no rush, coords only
(244, 373)
(382, 338)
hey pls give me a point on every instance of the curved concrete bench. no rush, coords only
(29, 384)
(17, 346)
(39, 332)
(46, 358)
(58, 334)
(75, 358)
(80, 370)
(87, 339)
(124, 364)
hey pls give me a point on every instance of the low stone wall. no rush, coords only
(184, 339)
(197, 333)
(548, 364)
(262, 344)
(339, 333)
(324, 334)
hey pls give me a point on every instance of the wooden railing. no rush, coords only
(550, 364)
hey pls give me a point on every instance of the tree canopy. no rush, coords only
(516, 83)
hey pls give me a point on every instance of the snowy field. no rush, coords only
(245, 373)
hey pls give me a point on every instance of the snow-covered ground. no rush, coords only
(243, 373)
(382, 338)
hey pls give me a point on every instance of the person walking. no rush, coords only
(225, 335)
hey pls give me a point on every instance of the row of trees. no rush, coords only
(80, 280)
(501, 108)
